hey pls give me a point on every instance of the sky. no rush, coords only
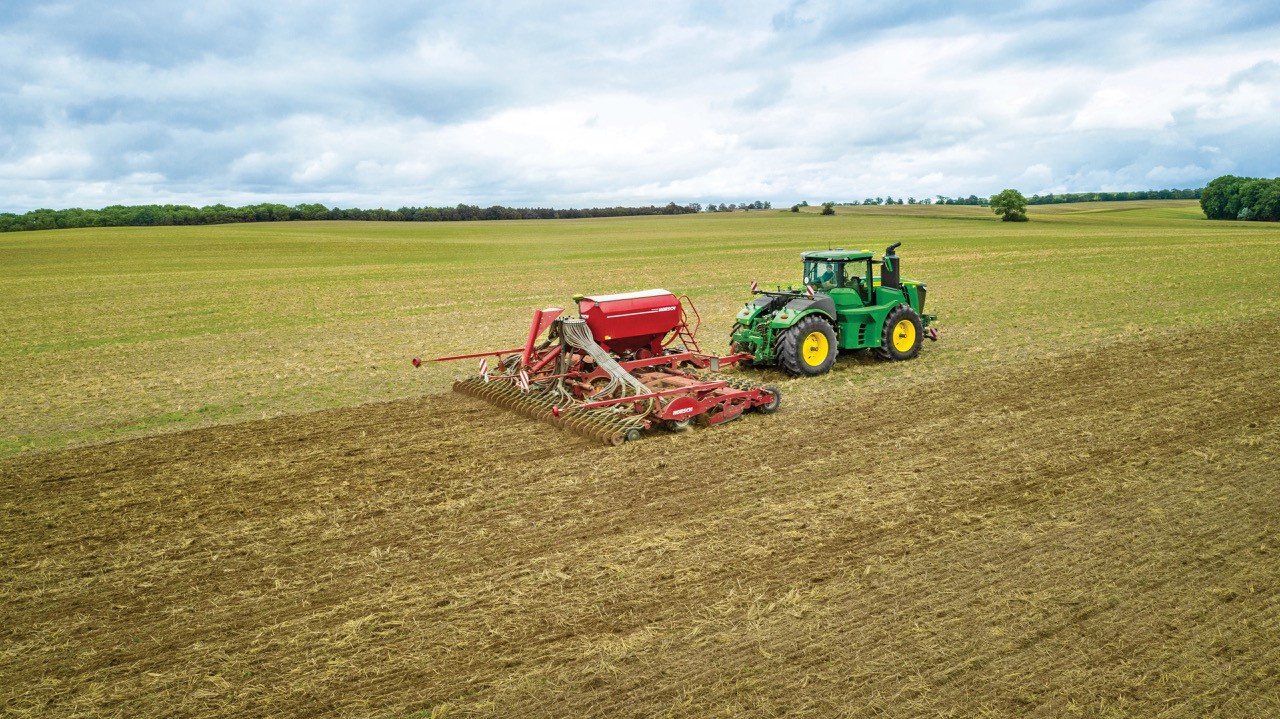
(584, 104)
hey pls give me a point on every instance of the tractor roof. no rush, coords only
(837, 254)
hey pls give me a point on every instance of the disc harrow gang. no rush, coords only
(612, 373)
(598, 424)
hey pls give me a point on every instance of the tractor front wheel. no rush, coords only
(808, 347)
(902, 335)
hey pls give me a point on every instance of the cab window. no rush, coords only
(824, 275)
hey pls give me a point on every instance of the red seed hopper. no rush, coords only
(625, 365)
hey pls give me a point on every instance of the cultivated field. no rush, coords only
(1068, 506)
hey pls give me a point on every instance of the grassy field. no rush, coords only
(122, 332)
(1067, 506)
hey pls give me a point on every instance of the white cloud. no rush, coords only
(586, 104)
(1113, 108)
(1175, 176)
(1038, 175)
(42, 164)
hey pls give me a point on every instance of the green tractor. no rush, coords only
(841, 305)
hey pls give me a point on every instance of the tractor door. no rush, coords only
(862, 283)
(846, 293)
(855, 296)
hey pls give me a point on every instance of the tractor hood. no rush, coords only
(803, 305)
(764, 305)
(785, 307)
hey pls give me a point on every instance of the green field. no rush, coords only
(1067, 506)
(119, 332)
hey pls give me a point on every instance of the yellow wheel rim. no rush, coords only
(815, 348)
(904, 336)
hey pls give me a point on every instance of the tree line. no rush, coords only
(733, 206)
(167, 215)
(1241, 198)
(1227, 197)
(1065, 197)
(1049, 199)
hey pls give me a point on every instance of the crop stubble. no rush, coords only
(1093, 532)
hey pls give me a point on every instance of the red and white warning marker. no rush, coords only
(754, 287)
(809, 290)
(484, 368)
(523, 381)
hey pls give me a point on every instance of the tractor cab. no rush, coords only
(841, 274)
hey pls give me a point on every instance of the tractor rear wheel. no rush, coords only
(902, 334)
(808, 347)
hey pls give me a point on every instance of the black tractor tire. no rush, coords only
(775, 400)
(901, 336)
(791, 347)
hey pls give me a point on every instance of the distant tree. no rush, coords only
(795, 208)
(889, 201)
(314, 211)
(1010, 205)
(804, 203)
(911, 200)
(724, 207)
(1241, 198)
(828, 208)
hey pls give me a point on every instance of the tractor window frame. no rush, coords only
(837, 270)
(864, 284)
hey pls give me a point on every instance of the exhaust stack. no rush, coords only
(889, 271)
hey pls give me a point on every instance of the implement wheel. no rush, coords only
(775, 399)
(808, 347)
(902, 335)
(678, 425)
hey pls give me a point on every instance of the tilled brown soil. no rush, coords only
(1093, 534)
